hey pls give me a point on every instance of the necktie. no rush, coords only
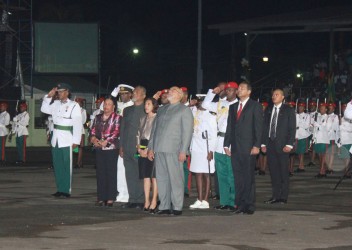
(239, 111)
(273, 125)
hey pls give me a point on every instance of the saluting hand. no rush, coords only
(52, 92)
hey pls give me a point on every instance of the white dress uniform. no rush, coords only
(303, 123)
(84, 120)
(66, 114)
(333, 127)
(123, 195)
(203, 121)
(221, 108)
(67, 120)
(320, 130)
(345, 132)
(4, 121)
(20, 123)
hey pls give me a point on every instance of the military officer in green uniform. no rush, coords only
(67, 119)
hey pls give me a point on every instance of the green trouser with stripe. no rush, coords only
(225, 178)
(62, 160)
(21, 148)
(186, 173)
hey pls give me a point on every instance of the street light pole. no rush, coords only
(199, 50)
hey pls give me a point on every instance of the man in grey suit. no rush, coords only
(168, 145)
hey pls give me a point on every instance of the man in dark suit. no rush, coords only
(278, 139)
(243, 135)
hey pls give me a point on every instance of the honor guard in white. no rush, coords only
(345, 135)
(202, 147)
(312, 110)
(19, 128)
(303, 123)
(321, 138)
(4, 124)
(222, 161)
(333, 132)
(81, 102)
(97, 110)
(67, 134)
(124, 91)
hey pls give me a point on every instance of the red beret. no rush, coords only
(312, 104)
(79, 99)
(184, 89)
(4, 104)
(101, 99)
(301, 104)
(165, 91)
(323, 104)
(291, 103)
(331, 104)
(265, 104)
(231, 85)
(23, 105)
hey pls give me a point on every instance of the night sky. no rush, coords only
(165, 32)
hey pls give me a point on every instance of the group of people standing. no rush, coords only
(143, 146)
(17, 127)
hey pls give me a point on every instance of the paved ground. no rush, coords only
(316, 217)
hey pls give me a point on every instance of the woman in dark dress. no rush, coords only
(104, 136)
(146, 170)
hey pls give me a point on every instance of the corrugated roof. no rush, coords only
(316, 20)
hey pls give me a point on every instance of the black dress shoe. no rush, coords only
(99, 203)
(139, 205)
(19, 162)
(222, 207)
(216, 197)
(283, 201)
(271, 201)
(177, 212)
(238, 211)
(249, 212)
(261, 172)
(311, 164)
(57, 194)
(300, 170)
(65, 195)
(163, 212)
(329, 171)
(132, 205)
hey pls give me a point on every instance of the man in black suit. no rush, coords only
(244, 134)
(278, 139)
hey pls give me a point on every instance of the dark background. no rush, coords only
(165, 32)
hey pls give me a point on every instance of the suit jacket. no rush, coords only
(246, 132)
(285, 127)
(129, 127)
(172, 129)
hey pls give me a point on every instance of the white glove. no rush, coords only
(116, 91)
(15, 119)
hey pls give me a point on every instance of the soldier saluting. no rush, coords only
(67, 119)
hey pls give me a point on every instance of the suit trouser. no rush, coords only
(62, 160)
(106, 172)
(243, 166)
(121, 180)
(225, 179)
(170, 180)
(21, 147)
(2, 145)
(278, 165)
(134, 184)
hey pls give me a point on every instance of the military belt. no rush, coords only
(221, 134)
(60, 127)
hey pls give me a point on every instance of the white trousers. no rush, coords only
(121, 182)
